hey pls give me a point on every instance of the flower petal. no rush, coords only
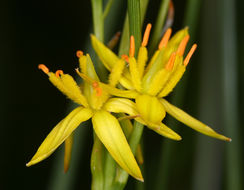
(190, 121)
(110, 133)
(165, 131)
(121, 105)
(67, 152)
(150, 109)
(107, 57)
(67, 85)
(60, 133)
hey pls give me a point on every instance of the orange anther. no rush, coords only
(79, 53)
(182, 46)
(165, 39)
(43, 68)
(132, 46)
(146, 35)
(125, 57)
(169, 66)
(58, 73)
(188, 57)
(95, 85)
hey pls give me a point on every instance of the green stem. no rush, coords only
(125, 38)
(97, 164)
(157, 29)
(134, 12)
(98, 26)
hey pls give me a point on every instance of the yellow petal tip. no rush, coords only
(140, 179)
(28, 164)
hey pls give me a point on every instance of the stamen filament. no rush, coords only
(132, 46)
(79, 53)
(84, 77)
(165, 39)
(188, 57)
(182, 46)
(128, 117)
(169, 66)
(43, 68)
(146, 35)
(58, 73)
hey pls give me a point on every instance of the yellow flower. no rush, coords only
(149, 83)
(93, 101)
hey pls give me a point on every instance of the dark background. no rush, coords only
(50, 32)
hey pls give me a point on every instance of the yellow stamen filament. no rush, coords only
(95, 85)
(188, 57)
(146, 35)
(165, 38)
(83, 76)
(169, 66)
(132, 46)
(79, 53)
(128, 117)
(182, 46)
(43, 68)
(125, 57)
(58, 73)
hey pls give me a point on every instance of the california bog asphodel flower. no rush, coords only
(150, 82)
(95, 103)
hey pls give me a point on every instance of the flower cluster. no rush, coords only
(144, 86)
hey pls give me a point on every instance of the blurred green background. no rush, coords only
(50, 32)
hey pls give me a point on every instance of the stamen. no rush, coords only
(125, 57)
(95, 85)
(128, 117)
(79, 53)
(58, 73)
(182, 46)
(188, 57)
(169, 66)
(132, 46)
(146, 35)
(84, 77)
(43, 68)
(165, 39)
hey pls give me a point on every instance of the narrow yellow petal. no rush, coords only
(154, 57)
(110, 133)
(116, 73)
(190, 121)
(68, 86)
(165, 131)
(107, 57)
(150, 109)
(158, 82)
(67, 151)
(60, 133)
(135, 76)
(121, 105)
